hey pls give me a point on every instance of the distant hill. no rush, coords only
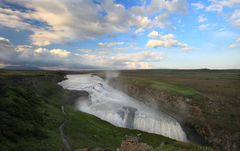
(22, 68)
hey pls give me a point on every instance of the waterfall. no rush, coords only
(120, 109)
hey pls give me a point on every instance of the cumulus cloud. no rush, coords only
(153, 34)
(167, 40)
(33, 56)
(198, 5)
(40, 50)
(235, 18)
(203, 26)
(4, 41)
(7, 51)
(13, 19)
(60, 52)
(140, 60)
(146, 56)
(216, 5)
(60, 21)
(170, 6)
(110, 47)
(110, 44)
(139, 31)
(236, 44)
(161, 21)
(202, 19)
(85, 50)
(64, 59)
(219, 5)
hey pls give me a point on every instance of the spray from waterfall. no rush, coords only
(110, 75)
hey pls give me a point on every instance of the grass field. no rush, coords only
(207, 82)
(162, 86)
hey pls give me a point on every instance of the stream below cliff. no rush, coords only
(120, 109)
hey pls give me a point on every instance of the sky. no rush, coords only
(120, 34)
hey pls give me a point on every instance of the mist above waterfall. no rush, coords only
(120, 109)
(111, 74)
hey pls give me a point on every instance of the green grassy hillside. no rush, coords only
(29, 111)
(30, 116)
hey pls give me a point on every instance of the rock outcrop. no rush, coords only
(133, 144)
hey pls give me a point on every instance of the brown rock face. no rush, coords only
(133, 144)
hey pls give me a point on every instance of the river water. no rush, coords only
(120, 109)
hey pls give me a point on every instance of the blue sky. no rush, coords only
(120, 34)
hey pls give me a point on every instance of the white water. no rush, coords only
(119, 109)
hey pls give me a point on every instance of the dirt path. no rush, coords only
(66, 144)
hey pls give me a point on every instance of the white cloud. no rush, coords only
(62, 21)
(40, 50)
(23, 48)
(157, 7)
(4, 40)
(203, 26)
(235, 18)
(198, 5)
(202, 19)
(171, 6)
(110, 44)
(138, 65)
(108, 48)
(7, 50)
(144, 21)
(146, 56)
(167, 40)
(153, 34)
(141, 60)
(236, 44)
(60, 52)
(139, 30)
(63, 59)
(216, 5)
(13, 19)
(85, 50)
(219, 5)
(121, 48)
(29, 55)
(161, 21)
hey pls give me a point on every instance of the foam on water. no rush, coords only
(119, 109)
